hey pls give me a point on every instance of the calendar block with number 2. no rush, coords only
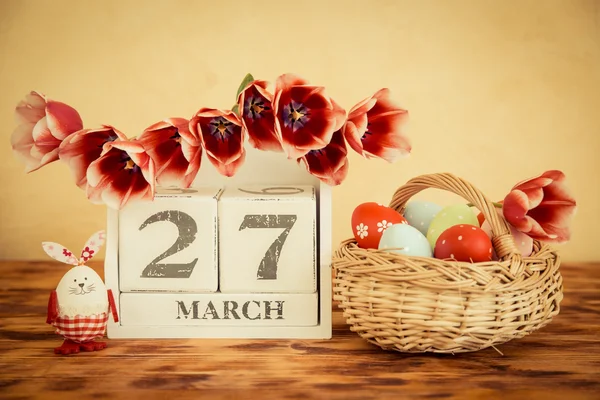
(169, 244)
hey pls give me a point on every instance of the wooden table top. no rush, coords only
(561, 361)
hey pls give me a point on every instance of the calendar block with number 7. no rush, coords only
(268, 239)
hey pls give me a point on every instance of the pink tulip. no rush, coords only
(374, 128)
(256, 110)
(329, 164)
(222, 137)
(541, 207)
(305, 117)
(176, 152)
(43, 125)
(83, 147)
(124, 173)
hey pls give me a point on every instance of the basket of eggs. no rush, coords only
(418, 278)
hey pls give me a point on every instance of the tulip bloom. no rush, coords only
(222, 137)
(123, 173)
(83, 147)
(374, 128)
(176, 152)
(305, 117)
(256, 114)
(43, 125)
(541, 207)
(329, 164)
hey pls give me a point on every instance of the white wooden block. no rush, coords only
(267, 239)
(170, 244)
(219, 309)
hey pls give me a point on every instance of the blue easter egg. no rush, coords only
(405, 239)
(420, 214)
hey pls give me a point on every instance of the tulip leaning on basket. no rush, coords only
(297, 119)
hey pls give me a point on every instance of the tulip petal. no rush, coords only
(107, 165)
(352, 133)
(329, 164)
(125, 187)
(62, 119)
(515, 208)
(22, 142)
(32, 109)
(230, 168)
(287, 81)
(534, 197)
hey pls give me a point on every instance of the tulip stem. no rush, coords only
(497, 205)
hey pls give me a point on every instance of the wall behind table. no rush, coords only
(497, 91)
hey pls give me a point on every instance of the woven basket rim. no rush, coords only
(382, 265)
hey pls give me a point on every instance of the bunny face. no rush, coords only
(81, 291)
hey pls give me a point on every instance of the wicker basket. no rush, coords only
(421, 304)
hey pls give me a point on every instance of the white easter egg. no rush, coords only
(81, 291)
(405, 239)
(420, 214)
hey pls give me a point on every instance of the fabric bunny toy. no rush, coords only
(80, 306)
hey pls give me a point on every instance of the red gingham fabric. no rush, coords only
(81, 328)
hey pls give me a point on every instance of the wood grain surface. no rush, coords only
(561, 361)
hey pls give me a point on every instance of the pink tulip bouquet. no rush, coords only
(297, 119)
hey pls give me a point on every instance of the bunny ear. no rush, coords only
(59, 252)
(92, 246)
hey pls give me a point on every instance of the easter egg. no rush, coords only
(370, 220)
(405, 239)
(449, 216)
(420, 214)
(523, 242)
(464, 243)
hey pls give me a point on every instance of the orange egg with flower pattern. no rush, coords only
(370, 220)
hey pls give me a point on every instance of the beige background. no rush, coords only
(498, 91)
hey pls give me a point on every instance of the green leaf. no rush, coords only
(247, 79)
(235, 109)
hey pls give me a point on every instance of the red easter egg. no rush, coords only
(464, 243)
(370, 220)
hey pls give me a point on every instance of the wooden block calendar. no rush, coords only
(241, 257)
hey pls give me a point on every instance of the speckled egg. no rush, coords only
(449, 216)
(464, 243)
(420, 214)
(405, 239)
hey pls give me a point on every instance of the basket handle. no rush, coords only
(502, 239)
